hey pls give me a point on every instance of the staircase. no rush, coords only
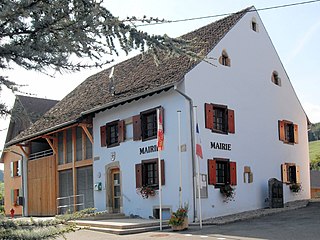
(122, 225)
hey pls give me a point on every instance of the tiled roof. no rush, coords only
(27, 110)
(133, 76)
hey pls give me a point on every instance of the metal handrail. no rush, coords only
(70, 203)
(41, 154)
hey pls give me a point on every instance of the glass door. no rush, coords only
(116, 191)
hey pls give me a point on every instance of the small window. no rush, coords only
(275, 78)
(219, 118)
(112, 134)
(224, 59)
(147, 173)
(151, 173)
(254, 25)
(221, 172)
(290, 173)
(15, 168)
(288, 132)
(149, 125)
(15, 193)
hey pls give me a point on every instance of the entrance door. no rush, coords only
(116, 190)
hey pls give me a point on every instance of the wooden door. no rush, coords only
(42, 187)
(116, 190)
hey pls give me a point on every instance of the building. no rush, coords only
(251, 125)
(26, 111)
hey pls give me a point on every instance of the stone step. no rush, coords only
(126, 231)
(119, 224)
(106, 216)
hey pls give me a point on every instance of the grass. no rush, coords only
(314, 150)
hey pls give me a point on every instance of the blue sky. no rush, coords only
(294, 31)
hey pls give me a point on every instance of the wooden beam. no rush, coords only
(23, 151)
(85, 129)
(64, 167)
(51, 145)
(84, 163)
(50, 137)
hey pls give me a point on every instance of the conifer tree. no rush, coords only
(49, 34)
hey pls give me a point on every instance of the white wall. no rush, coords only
(128, 154)
(246, 87)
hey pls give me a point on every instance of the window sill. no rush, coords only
(149, 138)
(113, 145)
(219, 132)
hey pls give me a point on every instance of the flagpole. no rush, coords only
(159, 171)
(180, 160)
(198, 169)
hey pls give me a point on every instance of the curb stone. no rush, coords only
(247, 215)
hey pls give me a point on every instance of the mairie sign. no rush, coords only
(148, 149)
(221, 146)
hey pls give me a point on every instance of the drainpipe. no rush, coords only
(192, 148)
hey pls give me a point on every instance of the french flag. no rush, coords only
(198, 143)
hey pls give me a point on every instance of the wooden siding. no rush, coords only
(42, 187)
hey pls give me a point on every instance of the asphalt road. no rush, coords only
(296, 224)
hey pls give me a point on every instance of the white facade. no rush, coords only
(259, 104)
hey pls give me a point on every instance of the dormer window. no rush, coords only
(224, 59)
(275, 78)
(254, 25)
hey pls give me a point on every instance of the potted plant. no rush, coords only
(146, 191)
(179, 219)
(295, 187)
(228, 192)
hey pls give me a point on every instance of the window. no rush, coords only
(60, 148)
(224, 59)
(149, 125)
(219, 118)
(290, 173)
(275, 78)
(112, 133)
(15, 168)
(150, 174)
(69, 145)
(145, 125)
(288, 132)
(15, 194)
(147, 173)
(79, 140)
(254, 25)
(221, 172)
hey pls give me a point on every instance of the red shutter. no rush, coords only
(103, 136)
(233, 173)
(282, 136)
(212, 176)
(231, 124)
(136, 120)
(138, 175)
(209, 115)
(295, 126)
(163, 180)
(121, 131)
